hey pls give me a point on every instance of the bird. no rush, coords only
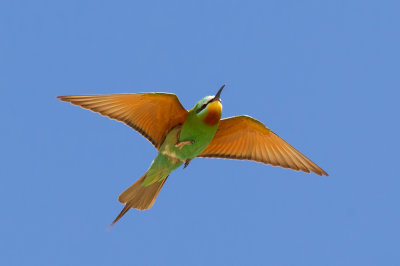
(181, 135)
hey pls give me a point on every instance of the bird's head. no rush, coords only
(209, 108)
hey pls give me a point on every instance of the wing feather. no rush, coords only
(245, 138)
(152, 114)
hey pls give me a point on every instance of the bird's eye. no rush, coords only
(202, 108)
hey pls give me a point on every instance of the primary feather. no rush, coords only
(152, 114)
(245, 138)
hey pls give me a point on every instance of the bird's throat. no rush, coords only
(213, 114)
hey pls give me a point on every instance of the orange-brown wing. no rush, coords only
(245, 138)
(152, 114)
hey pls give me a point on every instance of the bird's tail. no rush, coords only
(139, 197)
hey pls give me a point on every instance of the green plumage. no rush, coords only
(171, 157)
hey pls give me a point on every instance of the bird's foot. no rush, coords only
(181, 144)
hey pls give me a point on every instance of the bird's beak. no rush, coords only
(216, 98)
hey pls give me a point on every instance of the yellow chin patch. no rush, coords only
(213, 114)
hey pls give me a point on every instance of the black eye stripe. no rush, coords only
(203, 106)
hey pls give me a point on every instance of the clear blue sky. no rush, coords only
(324, 75)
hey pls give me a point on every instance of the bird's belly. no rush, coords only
(177, 155)
(168, 148)
(193, 150)
(201, 140)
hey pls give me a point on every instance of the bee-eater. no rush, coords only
(180, 136)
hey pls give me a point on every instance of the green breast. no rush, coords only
(195, 129)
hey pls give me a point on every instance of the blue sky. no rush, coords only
(324, 75)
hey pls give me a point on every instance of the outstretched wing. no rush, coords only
(152, 114)
(245, 138)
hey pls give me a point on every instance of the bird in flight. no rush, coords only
(181, 135)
